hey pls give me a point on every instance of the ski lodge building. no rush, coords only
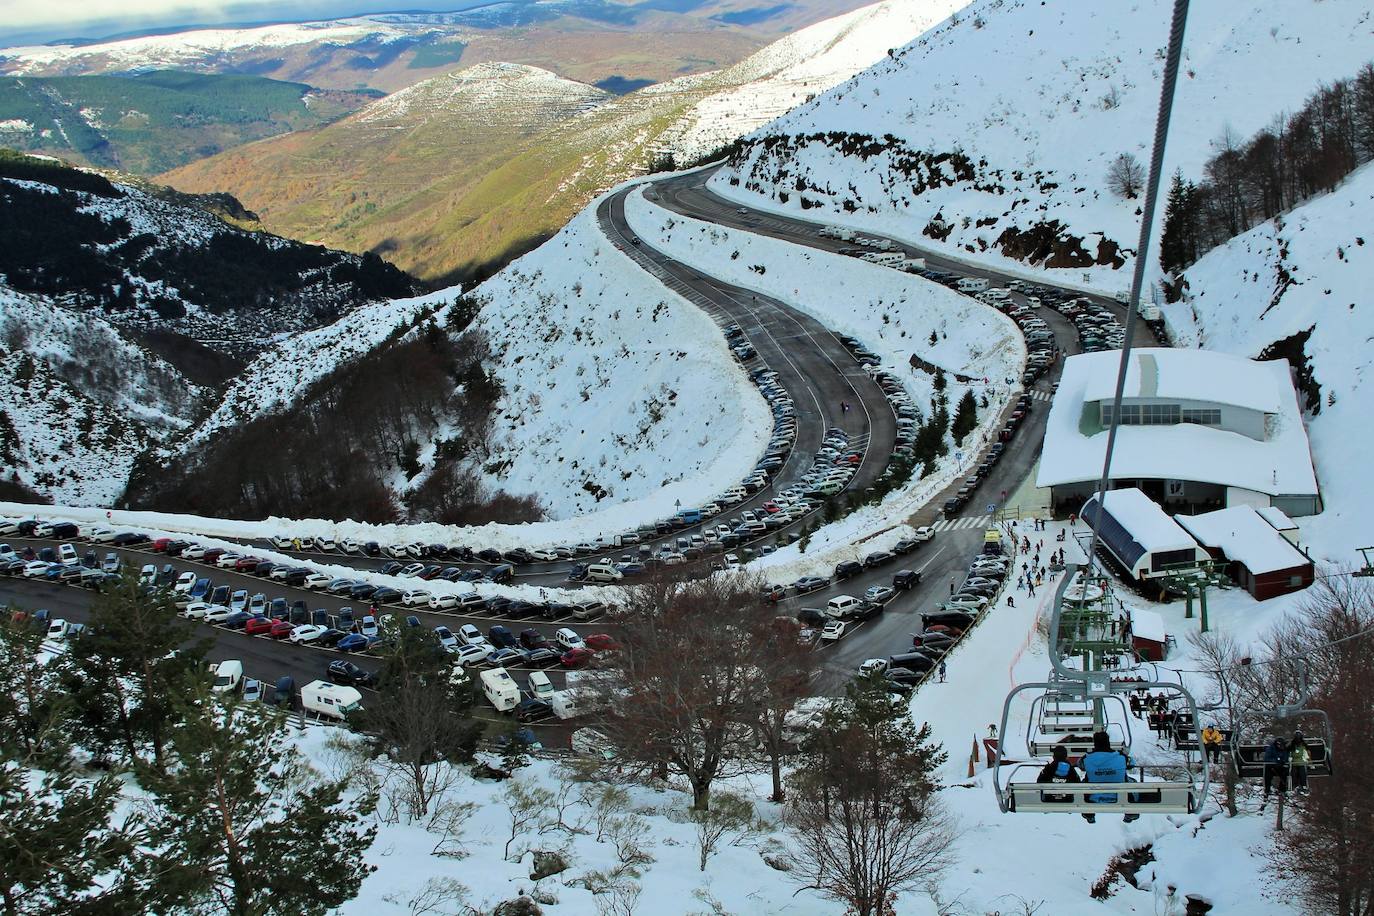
(1199, 430)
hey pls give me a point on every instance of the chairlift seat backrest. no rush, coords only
(1130, 797)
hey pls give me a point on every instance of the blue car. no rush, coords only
(353, 642)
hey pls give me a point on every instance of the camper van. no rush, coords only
(567, 704)
(974, 284)
(333, 701)
(500, 689)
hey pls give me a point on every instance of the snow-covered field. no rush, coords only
(1309, 271)
(1041, 98)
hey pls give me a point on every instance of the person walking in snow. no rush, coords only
(951, 586)
(1011, 601)
(1030, 588)
(942, 672)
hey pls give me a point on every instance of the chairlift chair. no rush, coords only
(1289, 718)
(1089, 689)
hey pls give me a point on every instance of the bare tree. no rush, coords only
(728, 814)
(863, 809)
(1329, 858)
(785, 669)
(683, 687)
(1219, 655)
(1125, 177)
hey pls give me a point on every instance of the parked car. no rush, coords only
(350, 675)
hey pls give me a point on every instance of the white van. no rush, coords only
(228, 676)
(567, 704)
(333, 701)
(841, 606)
(974, 284)
(603, 572)
(67, 553)
(593, 743)
(541, 688)
(500, 689)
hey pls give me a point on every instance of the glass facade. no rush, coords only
(1161, 415)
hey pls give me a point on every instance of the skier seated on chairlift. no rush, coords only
(1058, 770)
(1104, 764)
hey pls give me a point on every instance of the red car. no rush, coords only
(577, 658)
(258, 626)
(247, 563)
(212, 555)
(601, 642)
(160, 545)
(281, 629)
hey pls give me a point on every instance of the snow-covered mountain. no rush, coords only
(991, 135)
(500, 157)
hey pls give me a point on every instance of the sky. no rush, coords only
(38, 21)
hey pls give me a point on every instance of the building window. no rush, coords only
(1145, 414)
(1204, 416)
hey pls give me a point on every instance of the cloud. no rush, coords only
(35, 21)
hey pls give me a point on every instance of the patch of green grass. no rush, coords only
(437, 55)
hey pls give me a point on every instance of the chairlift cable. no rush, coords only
(1166, 105)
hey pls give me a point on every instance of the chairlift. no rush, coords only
(1289, 718)
(1065, 698)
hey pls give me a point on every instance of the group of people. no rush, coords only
(1102, 764)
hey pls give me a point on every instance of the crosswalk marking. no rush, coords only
(960, 524)
(1039, 394)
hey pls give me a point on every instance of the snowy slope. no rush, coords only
(615, 389)
(1007, 116)
(1310, 270)
(78, 402)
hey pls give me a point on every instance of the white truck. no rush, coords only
(974, 284)
(333, 701)
(500, 689)
(911, 265)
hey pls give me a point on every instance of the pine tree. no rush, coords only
(245, 826)
(1178, 239)
(56, 835)
(965, 417)
(133, 659)
(934, 339)
(940, 381)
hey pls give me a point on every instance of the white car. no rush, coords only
(147, 575)
(194, 552)
(227, 560)
(411, 571)
(873, 666)
(833, 631)
(196, 610)
(470, 635)
(543, 555)
(57, 629)
(447, 640)
(217, 613)
(9, 527)
(348, 545)
(471, 655)
(416, 598)
(673, 559)
(317, 580)
(257, 605)
(102, 536)
(35, 568)
(238, 601)
(567, 638)
(185, 582)
(325, 543)
(306, 632)
(443, 602)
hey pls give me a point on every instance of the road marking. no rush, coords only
(961, 524)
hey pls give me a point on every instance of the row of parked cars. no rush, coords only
(903, 407)
(954, 504)
(946, 624)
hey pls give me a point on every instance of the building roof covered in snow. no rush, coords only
(1278, 518)
(1147, 625)
(1075, 441)
(1148, 524)
(1244, 536)
(1188, 375)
